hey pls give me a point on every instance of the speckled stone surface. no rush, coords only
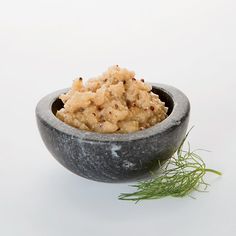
(114, 157)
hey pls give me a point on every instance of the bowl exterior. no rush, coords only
(114, 159)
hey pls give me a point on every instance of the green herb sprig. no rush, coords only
(178, 177)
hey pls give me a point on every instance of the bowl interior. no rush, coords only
(163, 95)
(57, 105)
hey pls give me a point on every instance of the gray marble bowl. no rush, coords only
(114, 157)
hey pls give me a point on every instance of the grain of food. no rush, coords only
(115, 102)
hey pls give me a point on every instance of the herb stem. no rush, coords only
(213, 171)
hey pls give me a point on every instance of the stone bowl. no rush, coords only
(114, 157)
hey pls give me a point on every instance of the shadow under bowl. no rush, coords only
(114, 157)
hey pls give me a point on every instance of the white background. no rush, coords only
(190, 44)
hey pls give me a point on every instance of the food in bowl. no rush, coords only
(115, 102)
(114, 157)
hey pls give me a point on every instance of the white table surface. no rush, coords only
(45, 44)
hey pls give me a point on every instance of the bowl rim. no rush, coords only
(180, 110)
